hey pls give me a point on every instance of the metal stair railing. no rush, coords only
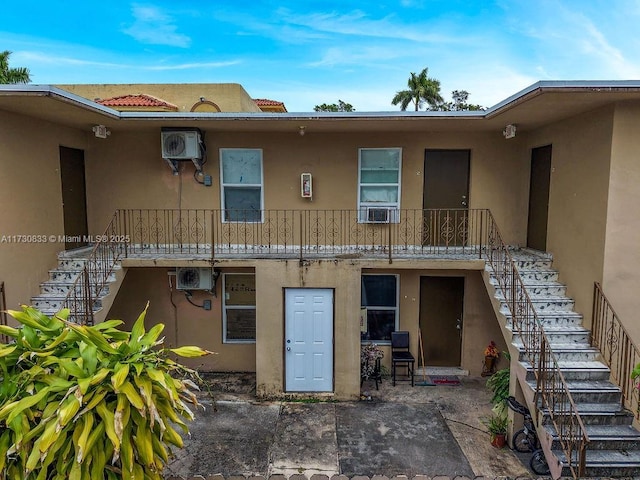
(94, 278)
(551, 387)
(338, 232)
(618, 351)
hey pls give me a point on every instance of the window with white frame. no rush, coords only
(241, 184)
(379, 184)
(239, 308)
(379, 303)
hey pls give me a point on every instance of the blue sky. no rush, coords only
(305, 53)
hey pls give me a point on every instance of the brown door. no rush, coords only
(446, 186)
(539, 198)
(74, 201)
(441, 304)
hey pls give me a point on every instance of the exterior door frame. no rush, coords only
(461, 287)
(539, 190)
(74, 197)
(289, 342)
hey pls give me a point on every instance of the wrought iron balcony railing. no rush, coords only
(308, 234)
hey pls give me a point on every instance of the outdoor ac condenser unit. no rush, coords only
(181, 145)
(194, 278)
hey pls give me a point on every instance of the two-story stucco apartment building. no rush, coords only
(283, 241)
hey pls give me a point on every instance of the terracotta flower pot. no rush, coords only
(499, 440)
(489, 366)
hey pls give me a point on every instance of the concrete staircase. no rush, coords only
(614, 448)
(61, 279)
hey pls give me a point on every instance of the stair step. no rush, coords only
(598, 392)
(551, 303)
(566, 335)
(577, 370)
(608, 463)
(600, 414)
(539, 288)
(605, 437)
(62, 288)
(63, 276)
(532, 263)
(568, 353)
(55, 302)
(536, 277)
(552, 319)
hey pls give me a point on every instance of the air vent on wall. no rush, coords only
(194, 278)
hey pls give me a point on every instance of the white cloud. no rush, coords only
(195, 65)
(154, 27)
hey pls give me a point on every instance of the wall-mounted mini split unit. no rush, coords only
(194, 278)
(180, 144)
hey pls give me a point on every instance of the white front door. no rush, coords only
(308, 340)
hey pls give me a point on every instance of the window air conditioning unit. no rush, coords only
(378, 215)
(192, 278)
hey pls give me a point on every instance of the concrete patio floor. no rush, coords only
(424, 430)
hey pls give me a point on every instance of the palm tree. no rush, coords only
(421, 89)
(12, 75)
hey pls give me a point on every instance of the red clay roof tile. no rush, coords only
(140, 100)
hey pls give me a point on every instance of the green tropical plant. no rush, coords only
(12, 75)
(498, 383)
(90, 402)
(496, 424)
(421, 89)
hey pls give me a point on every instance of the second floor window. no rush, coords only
(379, 184)
(241, 184)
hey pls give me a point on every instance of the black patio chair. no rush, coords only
(400, 355)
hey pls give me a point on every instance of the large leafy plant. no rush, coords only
(89, 402)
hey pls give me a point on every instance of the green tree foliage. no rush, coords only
(460, 103)
(420, 90)
(12, 75)
(339, 107)
(89, 402)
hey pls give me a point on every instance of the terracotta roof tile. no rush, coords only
(265, 102)
(140, 100)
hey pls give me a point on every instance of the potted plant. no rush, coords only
(491, 354)
(497, 426)
(370, 355)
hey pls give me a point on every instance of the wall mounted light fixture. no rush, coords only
(100, 131)
(509, 131)
(301, 130)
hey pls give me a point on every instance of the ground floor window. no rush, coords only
(239, 308)
(379, 307)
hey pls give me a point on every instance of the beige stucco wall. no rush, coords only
(127, 171)
(581, 151)
(621, 279)
(186, 324)
(230, 97)
(31, 199)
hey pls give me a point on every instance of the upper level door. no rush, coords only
(539, 198)
(446, 187)
(74, 200)
(308, 340)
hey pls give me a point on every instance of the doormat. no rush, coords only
(450, 380)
